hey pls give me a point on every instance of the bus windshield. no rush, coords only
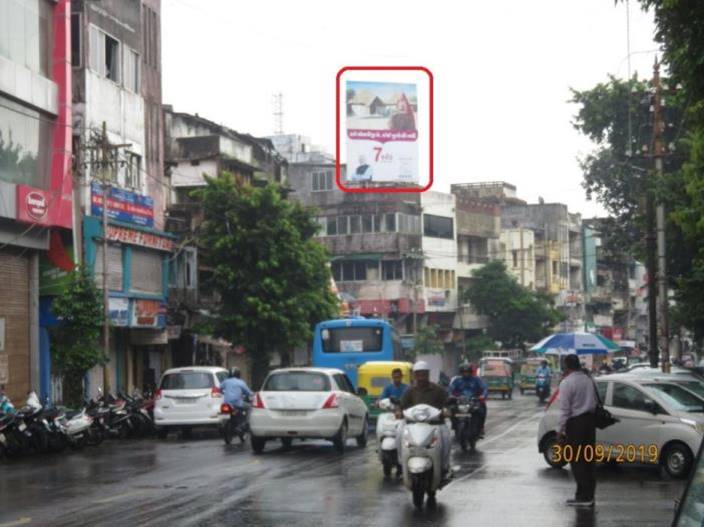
(352, 339)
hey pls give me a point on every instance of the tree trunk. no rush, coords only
(260, 367)
(73, 388)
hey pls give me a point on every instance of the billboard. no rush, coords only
(123, 205)
(382, 132)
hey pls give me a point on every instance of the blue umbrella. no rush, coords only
(577, 342)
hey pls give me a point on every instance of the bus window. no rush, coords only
(351, 339)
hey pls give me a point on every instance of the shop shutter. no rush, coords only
(147, 271)
(114, 267)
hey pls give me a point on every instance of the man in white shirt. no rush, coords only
(577, 427)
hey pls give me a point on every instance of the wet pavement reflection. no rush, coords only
(201, 481)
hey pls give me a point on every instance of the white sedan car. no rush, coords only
(308, 403)
(189, 397)
(656, 425)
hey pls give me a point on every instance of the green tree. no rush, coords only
(516, 314)
(426, 342)
(476, 344)
(272, 276)
(76, 338)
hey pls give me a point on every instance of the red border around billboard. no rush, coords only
(338, 176)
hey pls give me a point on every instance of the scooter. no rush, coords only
(467, 421)
(421, 453)
(542, 387)
(387, 427)
(77, 425)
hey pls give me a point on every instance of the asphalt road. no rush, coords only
(200, 481)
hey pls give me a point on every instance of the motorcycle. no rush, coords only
(542, 387)
(77, 425)
(387, 427)
(236, 425)
(421, 453)
(466, 413)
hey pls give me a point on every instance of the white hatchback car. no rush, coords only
(189, 397)
(310, 403)
(673, 422)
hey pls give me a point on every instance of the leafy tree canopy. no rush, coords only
(516, 314)
(272, 276)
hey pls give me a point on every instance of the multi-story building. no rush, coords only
(197, 148)
(116, 58)
(299, 149)
(36, 213)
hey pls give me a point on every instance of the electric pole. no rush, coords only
(658, 153)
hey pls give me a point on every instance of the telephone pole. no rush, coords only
(658, 154)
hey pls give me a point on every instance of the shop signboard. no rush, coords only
(119, 309)
(148, 313)
(123, 205)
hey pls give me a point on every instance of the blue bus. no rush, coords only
(346, 343)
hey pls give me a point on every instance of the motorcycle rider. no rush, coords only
(425, 392)
(469, 384)
(234, 390)
(544, 369)
(397, 387)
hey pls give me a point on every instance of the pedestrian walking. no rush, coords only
(577, 427)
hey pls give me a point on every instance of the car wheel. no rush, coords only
(363, 437)
(549, 453)
(162, 432)
(340, 440)
(677, 460)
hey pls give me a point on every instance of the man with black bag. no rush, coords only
(577, 427)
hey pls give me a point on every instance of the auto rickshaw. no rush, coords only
(497, 373)
(372, 378)
(526, 377)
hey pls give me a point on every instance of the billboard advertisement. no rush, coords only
(123, 205)
(382, 132)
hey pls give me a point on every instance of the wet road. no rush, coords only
(201, 482)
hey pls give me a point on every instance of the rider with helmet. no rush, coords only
(234, 389)
(468, 384)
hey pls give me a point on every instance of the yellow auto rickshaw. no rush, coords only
(372, 378)
(497, 373)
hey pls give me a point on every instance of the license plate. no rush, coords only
(185, 401)
(293, 413)
(22, 427)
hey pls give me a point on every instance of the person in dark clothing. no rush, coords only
(577, 427)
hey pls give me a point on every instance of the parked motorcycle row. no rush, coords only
(38, 428)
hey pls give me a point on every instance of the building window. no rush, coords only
(332, 225)
(104, 54)
(131, 70)
(378, 218)
(390, 222)
(76, 40)
(321, 181)
(25, 33)
(355, 271)
(25, 145)
(146, 271)
(391, 270)
(437, 226)
(514, 253)
(133, 171)
(426, 276)
(342, 225)
(555, 268)
(355, 224)
(191, 269)
(114, 266)
(434, 278)
(367, 223)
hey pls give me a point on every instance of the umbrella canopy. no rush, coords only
(579, 343)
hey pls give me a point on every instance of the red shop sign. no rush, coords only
(32, 205)
(145, 239)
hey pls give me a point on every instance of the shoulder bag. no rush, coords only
(602, 416)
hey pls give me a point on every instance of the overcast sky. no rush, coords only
(502, 73)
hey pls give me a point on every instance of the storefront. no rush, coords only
(138, 261)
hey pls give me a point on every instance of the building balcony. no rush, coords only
(467, 318)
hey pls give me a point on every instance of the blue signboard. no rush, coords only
(123, 205)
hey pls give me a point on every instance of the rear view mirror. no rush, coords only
(385, 404)
(652, 407)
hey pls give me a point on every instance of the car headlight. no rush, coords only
(699, 427)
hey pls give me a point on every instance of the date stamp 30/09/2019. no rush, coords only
(619, 453)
